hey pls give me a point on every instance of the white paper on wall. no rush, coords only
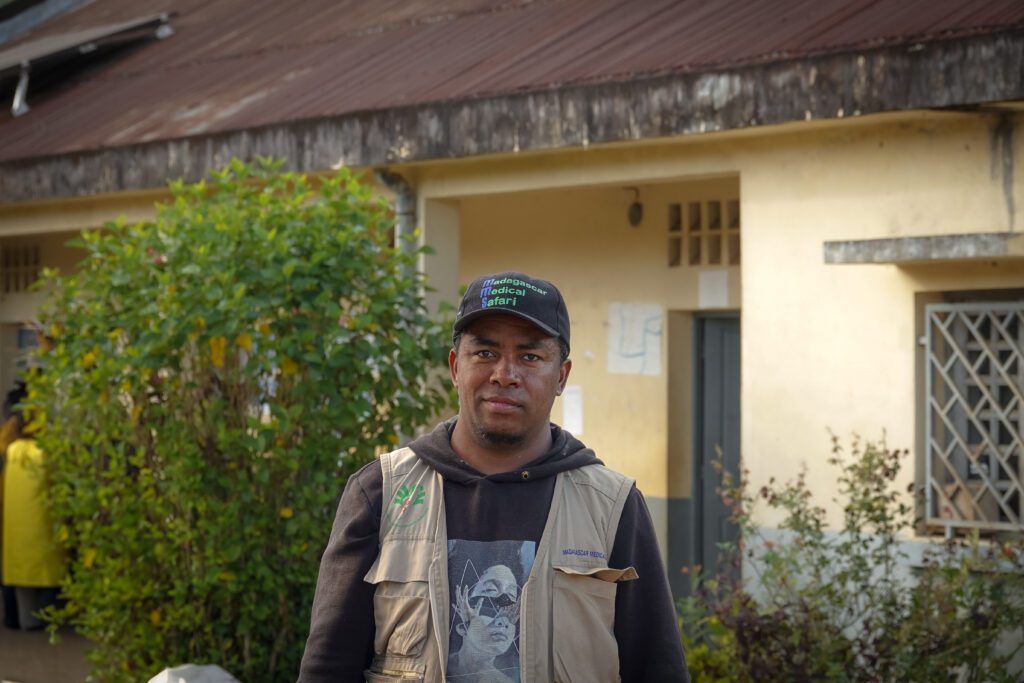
(713, 289)
(572, 409)
(634, 339)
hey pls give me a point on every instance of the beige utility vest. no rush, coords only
(567, 608)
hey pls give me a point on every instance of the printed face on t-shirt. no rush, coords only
(485, 580)
(490, 611)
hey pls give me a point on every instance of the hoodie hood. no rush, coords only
(566, 453)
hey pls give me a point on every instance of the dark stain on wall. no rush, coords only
(1003, 161)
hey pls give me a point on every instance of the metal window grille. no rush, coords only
(19, 267)
(974, 386)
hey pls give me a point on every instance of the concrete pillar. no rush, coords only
(439, 222)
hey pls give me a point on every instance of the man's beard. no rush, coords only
(501, 438)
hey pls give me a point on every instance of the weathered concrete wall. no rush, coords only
(954, 73)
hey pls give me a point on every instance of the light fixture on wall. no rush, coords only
(636, 209)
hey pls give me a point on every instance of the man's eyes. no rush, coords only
(488, 354)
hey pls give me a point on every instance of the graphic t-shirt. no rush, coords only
(485, 581)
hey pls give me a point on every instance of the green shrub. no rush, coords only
(215, 376)
(832, 605)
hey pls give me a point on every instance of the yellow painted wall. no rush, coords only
(832, 346)
(76, 214)
(824, 346)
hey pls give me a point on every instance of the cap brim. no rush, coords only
(462, 322)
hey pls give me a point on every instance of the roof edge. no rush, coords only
(945, 74)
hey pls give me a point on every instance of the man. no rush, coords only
(497, 547)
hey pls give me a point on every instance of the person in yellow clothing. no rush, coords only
(9, 433)
(32, 562)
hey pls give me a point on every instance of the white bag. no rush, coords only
(190, 673)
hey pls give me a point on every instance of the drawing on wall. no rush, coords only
(634, 339)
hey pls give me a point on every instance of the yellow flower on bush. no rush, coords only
(244, 341)
(288, 367)
(88, 358)
(154, 617)
(217, 345)
(286, 513)
(89, 558)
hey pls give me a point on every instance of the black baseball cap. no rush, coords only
(536, 301)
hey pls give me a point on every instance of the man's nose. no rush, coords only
(506, 372)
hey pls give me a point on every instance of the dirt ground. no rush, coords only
(28, 657)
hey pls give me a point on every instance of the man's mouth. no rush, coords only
(502, 405)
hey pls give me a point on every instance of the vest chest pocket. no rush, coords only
(401, 612)
(583, 622)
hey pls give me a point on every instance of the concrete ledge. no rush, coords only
(929, 248)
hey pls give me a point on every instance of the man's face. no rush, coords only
(507, 373)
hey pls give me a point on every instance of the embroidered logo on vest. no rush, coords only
(404, 513)
(583, 552)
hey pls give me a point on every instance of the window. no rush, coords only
(974, 415)
(707, 231)
(19, 267)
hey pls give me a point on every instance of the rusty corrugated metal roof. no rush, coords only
(239, 64)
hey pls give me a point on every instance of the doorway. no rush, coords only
(716, 434)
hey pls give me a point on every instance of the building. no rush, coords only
(769, 220)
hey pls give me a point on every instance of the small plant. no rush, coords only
(843, 605)
(215, 376)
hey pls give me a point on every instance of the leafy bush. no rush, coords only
(215, 376)
(832, 605)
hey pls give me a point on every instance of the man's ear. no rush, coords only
(563, 376)
(453, 365)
